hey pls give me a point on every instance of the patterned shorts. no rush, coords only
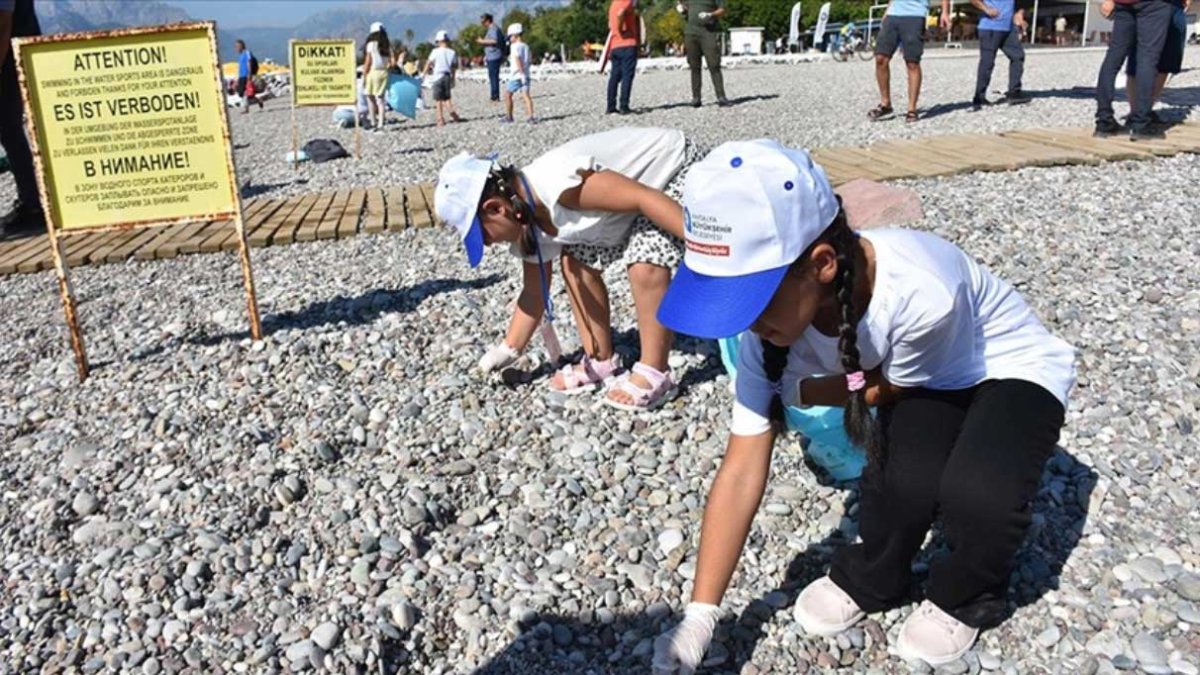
(645, 243)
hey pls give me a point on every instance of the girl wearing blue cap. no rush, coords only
(595, 201)
(969, 387)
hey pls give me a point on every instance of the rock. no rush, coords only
(404, 615)
(326, 635)
(869, 204)
(1049, 637)
(1187, 585)
(85, 503)
(669, 540)
(1149, 650)
(1150, 569)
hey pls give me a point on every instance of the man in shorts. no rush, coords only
(1170, 63)
(903, 25)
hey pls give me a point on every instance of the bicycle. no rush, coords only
(855, 44)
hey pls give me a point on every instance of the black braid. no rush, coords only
(774, 361)
(860, 424)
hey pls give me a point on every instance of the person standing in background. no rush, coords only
(377, 54)
(998, 30)
(519, 60)
(1139, 28)
(702, 38)
(493, 54)
(1170, 63)
(625, 32)
(903, 25)
(17, 19)
(443, 66)
(247, 67)
(1060, 30)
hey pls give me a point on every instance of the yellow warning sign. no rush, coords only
(130, 126)
(324, 72)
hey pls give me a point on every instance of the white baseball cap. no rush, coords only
(376, 27)
(751, 208)
(515, 29)
(456, 200)
(442, 36)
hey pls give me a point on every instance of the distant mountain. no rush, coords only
(343, 19)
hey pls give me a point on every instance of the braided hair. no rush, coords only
(860, 425)
(502, 182)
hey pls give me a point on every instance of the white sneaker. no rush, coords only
(934, 636)
(823, 608)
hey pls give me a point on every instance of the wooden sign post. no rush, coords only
(131, 131)
(324, 72)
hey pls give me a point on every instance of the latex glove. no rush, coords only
(498, 357)
(705, 16)
(680, 650)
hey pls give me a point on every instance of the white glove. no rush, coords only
(498, 357)
(705, 16)
(681, 8)
(681, 649)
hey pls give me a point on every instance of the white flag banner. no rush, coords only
(794, 31)
(822, 19)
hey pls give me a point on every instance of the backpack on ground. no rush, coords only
(324, 149)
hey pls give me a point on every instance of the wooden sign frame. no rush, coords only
(55, 229)
(292, 44)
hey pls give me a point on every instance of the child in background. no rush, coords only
(377, 54)
(596, 201)
(970, 390)
(443, 64)
(519, 58)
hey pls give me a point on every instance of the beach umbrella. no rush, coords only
(402, 94)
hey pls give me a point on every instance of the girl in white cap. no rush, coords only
(377, 53)
(970, 390)
(520, 59)
(596, 201)
(442, 67)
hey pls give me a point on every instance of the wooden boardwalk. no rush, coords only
(345, 213)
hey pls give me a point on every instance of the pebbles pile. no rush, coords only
(349, 495)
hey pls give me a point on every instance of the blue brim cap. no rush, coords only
(717, 307)
(473, 242)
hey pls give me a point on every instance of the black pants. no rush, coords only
(706, 45)
(12, 134)
(1142, 25)
(493, 67)
(976, 456)
(990, 42)
(623, 62)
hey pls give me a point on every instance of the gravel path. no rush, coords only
(348, 494)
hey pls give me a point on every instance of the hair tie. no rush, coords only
(777, 387)
(855, 381)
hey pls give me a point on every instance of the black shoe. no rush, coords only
(1150, 132)
(979, 104)
(1155, 118)
(23, 220)
(696, 103)
(1017, 98)
(624, 111)
(723, 102)
(610, 111)
(1107, 129)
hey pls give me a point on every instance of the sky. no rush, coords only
(258, 13)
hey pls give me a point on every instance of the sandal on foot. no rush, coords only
(881, 112)
(662, 389)
(911, 116)
(586, 375)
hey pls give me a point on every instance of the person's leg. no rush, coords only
(1124, 33)
(1131, 90)
(493, 68)
(590, 305)
(912, 30)
(898, 499)
(694, 56)
(382, 102)
(914, 84)
(1153, 19)
(630, 71)
(712, 58)
(16, 144)
(439, 107)
(1016, 62)
(989, 43)
(991, 477)
(371, 110)
(528, 102)
(1160, 83)
(614, 80)
(508, 104)
(883, 77)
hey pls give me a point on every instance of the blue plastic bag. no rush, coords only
(828, 444)
(402, 94)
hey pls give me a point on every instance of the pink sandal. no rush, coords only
(587, 374)
(662, 389)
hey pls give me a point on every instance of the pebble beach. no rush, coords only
(350, 495)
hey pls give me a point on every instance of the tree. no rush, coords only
(465, 44)
(409, 35)
(422, 50)
(664, 26)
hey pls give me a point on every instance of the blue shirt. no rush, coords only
(909, 8)
(1003, 22)
(244, 64)
(492, 52)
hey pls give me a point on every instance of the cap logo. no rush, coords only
(706, 234)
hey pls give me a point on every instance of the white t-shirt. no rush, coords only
(443, 60)
(377, 60)
(648, 155)
(519, 50)
(937, 319)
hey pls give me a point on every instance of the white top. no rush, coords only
(443, 60)
(519, 50)
(377, 61)
(648, 155)
(937, 319)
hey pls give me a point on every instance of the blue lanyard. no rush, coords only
(537, 248)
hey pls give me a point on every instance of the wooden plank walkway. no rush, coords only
(350, 212)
